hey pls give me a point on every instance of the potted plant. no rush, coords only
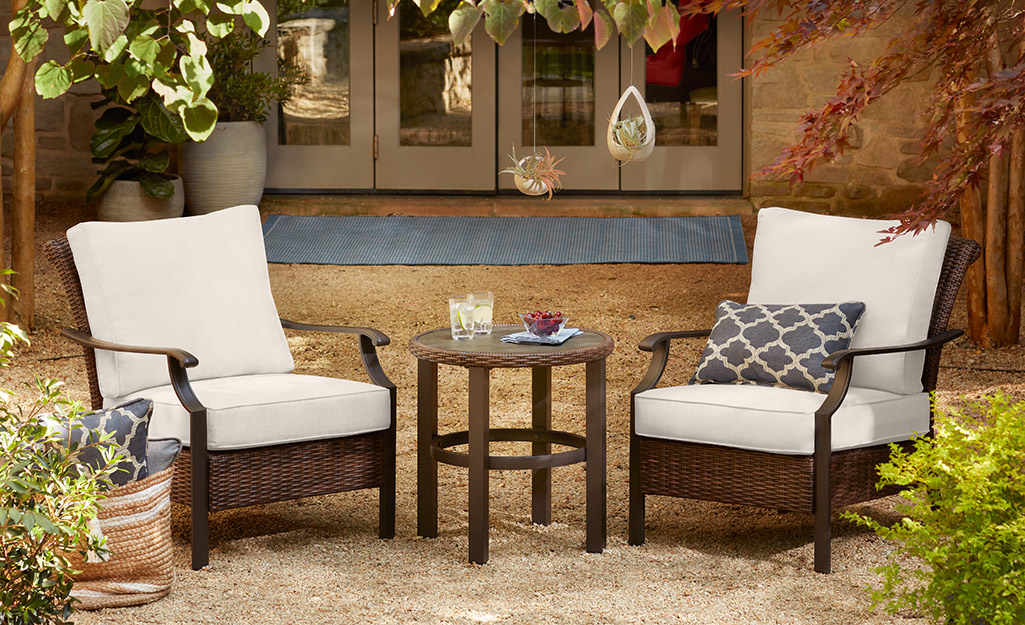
(47, 503)
(536, 174)
(961, 544)
(631, 138)
(230, 166)
(130, 143)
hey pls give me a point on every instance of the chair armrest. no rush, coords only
(369, 339)
(183, 358)
(834, 360)
(649, 342)
(379, 338)
(658, 345)
(178, 360)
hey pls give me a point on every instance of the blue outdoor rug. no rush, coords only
(503, 240)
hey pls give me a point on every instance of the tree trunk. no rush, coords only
(10, 90)
(23, 211)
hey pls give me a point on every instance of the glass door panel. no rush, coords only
(696, 107)
(435, 103)
(322, 138)
(557, 90)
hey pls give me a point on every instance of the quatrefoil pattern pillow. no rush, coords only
(776, 344)
(129, 424)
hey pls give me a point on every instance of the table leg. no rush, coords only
(595, 416)
(541, 479)
(478, 473)
(426, 467)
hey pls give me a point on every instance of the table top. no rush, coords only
(490, 352)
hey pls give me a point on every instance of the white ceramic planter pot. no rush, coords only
(530, 187)
(124, 200)
(640, 153)
(227, 169)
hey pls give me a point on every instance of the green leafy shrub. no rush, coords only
(964, 524)
(46, 502)
(241, 94)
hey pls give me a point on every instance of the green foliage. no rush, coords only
(242, 95)
(46, 502)
(634, 19)
(130, 144)
(630, 132)
(138, 52)
(538, 167)
(964, 524)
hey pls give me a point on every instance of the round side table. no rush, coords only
(479, 356)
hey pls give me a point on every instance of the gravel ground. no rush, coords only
(318, 560)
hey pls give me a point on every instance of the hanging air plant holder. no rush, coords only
(631, 138)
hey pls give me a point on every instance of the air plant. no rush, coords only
(537, 171)
(631, 133)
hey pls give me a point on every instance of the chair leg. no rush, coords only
(386, 513)
(636, 531)
(821, 500)
(200, 508)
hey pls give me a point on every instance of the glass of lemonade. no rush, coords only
(460, 313)
(483, 311)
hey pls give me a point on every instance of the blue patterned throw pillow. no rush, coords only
(129, 424)
(776, 344)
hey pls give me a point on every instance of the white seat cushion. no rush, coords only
(804, 258)
(196, 283)
(260, 410)
(777, 420)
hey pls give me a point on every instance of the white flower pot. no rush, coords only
(227, 169)
(641, 153)
(530, 187)
(124, 200)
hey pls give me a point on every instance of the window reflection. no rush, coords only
(314, 35)
(681, 85)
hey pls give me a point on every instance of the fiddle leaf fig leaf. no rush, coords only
(502, 18)
(561, 19)
(463, 20)
(53, 79)
(631, 18)
(106, 21)
(156, 162)
(158, 121)
(156, 185)
(664, 27)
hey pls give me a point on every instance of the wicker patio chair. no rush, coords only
(254, 432)
(797, 450)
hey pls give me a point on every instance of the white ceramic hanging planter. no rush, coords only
(639, 153)
(529, 187)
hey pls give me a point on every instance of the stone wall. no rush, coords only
(878, 175)
(64, 169)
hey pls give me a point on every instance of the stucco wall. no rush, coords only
(879, 174)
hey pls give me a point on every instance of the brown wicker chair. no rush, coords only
(815, 483)
(211, 480)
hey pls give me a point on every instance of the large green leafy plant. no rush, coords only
(134, 50)
(130, 144)
(964, 524)
(46, 502)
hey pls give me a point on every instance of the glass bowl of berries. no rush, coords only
(543, 323)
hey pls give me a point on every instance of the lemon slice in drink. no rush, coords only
(483, 313)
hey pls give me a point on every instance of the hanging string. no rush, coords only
(533, 86)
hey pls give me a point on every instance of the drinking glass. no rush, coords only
(483, 311)
(460, 313)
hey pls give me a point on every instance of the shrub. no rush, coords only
(964, 524)
(46, 503)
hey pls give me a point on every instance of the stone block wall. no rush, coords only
(879, 174)
(64, 169)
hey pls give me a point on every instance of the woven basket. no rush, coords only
(136, 519)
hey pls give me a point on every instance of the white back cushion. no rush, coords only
(804, 258)
(196, 283)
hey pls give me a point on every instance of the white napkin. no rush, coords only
(555, 339)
